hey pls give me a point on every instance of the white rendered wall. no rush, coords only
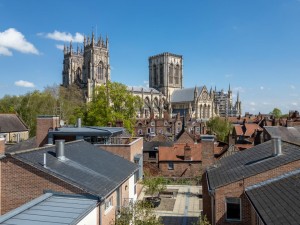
(91, 218)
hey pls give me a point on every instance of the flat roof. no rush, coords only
(51, 208)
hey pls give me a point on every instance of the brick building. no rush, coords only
(76, 167)
(224, 183)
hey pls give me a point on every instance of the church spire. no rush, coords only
(93, 38)
(106, 41)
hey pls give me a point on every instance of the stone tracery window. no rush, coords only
(171, 74)
(100, 71)
(154, 75)
(161, 73)
(176, 74)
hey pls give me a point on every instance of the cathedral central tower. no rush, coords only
(165, 73)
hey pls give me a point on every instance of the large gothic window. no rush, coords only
(161, 73)
(78, 74)
(154, 75)
(177, 74)
(100, 71)
(171, 74)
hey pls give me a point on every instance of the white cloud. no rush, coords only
(292, 87)
(13, 39)
(294, 103)
(262, 88)
(60, 47)
(228, 75)
(252, 103)
(23, 83)
(64, 36)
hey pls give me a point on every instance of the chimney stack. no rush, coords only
(2, 145)
(44, 123)
(60, 149)
(276, 142)
(187, 152)
(208, 157)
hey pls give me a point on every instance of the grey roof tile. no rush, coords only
(11, 123)
(277, 200)
(250, 162)
(92, 169)
(184, 95)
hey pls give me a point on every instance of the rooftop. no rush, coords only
(289, 134)
(51, 209)
(277, 201)
(11, 123)
(185, 95)
(250, 162)
(88, 167)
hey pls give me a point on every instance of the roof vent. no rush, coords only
(60, 149)
(78, 122)
(276, 142)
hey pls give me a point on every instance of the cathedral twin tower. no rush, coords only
(87, 67)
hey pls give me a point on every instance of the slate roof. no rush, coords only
(250, 162)
(142, 89)
(289, 134)
(151, 146)
(51, 209)
(11, 123)
(89, 130)
(88, 167)
(23, 145)
(277, 201)
(185, 95)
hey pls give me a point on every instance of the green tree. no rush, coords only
(138, 213)
(153, 186)
(220, 127)
(10, 104)
(202, 221)
(276, 113)
(112, 103)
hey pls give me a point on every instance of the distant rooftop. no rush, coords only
(11, 123)
(51, 209)
(88, 130)
(185, 95)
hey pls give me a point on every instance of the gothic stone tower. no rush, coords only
(165, 73)
(88, 68)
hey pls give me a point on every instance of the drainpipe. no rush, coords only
(212, 197)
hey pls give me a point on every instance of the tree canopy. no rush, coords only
(220, 127)
(112, 103)
(276, 113)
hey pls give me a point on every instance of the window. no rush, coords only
(140, 132)
(171, 166)
(150, 130)
(233, 209)
(154, 75)
(108, 203)
(161, 73)
(177, 74)
(171, 74)
(152, 155)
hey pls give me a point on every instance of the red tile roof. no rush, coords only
(250, 129)
(176, 152)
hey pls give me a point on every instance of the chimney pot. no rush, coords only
(60, 149)
(79, 122)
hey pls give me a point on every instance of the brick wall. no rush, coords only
(208, 158)
(189, 168)
(21, 183)
(237, 189)
(42, 127)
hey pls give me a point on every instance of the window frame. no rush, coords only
(226, 208)
(170, 165)
(108, 205)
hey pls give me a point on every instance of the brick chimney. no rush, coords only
(2, 145)
(208, 158)
(187, 152)
(119, 123)
(44, 123)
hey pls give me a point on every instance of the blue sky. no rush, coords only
(252, 44)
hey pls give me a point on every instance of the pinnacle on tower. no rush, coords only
(93, 38)
(84, 41)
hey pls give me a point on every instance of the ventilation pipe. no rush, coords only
(78, 122)
(276, 141)
(60, 149)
